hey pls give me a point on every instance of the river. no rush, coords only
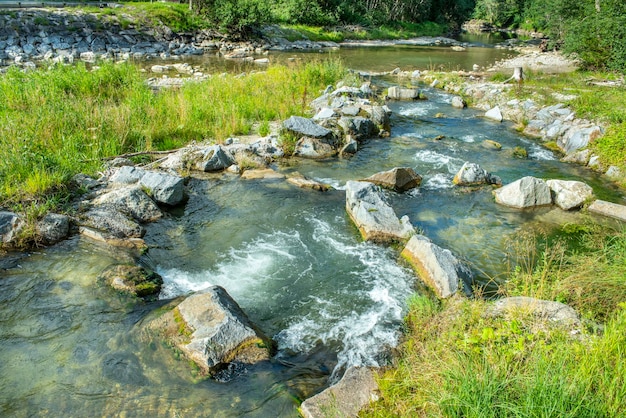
(70, 346)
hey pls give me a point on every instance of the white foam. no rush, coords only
(469, 138)
(539, 153)
(439, 181)
(421, 109)
(334, 183)
(438, 160)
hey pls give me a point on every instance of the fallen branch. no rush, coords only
(136, 154)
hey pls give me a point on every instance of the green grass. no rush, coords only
(456, 361)
(60, 121)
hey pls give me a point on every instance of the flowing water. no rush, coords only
(70, 346)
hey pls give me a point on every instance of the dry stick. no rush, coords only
(136, 154)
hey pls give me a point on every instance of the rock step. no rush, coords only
(612, 210)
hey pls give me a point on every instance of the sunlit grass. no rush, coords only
(60, 121)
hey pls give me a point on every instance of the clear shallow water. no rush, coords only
(70, 346)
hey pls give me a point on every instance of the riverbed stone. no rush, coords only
(10, 226)
(325, 113)
(297, 179)
(472, 174)
(458, 102)
(124, 368)
(494, 114)
(211, 329)
(569, 194)
(437, 267)
(401, 93)
(164, 188)
(356, 389)
(358, 127)
(111, 223)
(612, 210)
(314, 148)
(399, 179)
(524, 193)
(305, 127)
(374, 217)
(552, 312)
(131, 200)
(53, 228)
(132, 279)
(214, 158)
(127, 175)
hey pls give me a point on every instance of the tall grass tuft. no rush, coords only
(60, 121)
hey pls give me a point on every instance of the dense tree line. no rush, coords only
(595, 29)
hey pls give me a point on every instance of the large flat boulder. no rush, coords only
(375, 218)
(524, 193)
(612, 210)
(437, 267)
(472, 174)
(546, 310)
(111, 223)
(305, 127)
(356, 389)
(211, 329)
(569, 194)
(399, 179)
(401, 93)
(132, 201)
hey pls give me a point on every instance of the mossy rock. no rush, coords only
(492, 145)
(134, 280)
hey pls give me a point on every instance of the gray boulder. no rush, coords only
(132, 201)
(400, 93)
(356, 389)
(215, 158)
(494, 114)
(472, 174)
(358, 127)
(324, 113)
(524, 193)
(53, 228)
(164, 188)
(212, 331)
(552, 312)
(380, 116)
(10, 226)
(373, 216)
(399, 179)
(351, 147)
(305, 127)
(314, 148)
(612, 210)
(127, 175)
(438, 268)
(569, 194)
(458, 102)
(111, 223)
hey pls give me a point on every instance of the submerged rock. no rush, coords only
(399, 179)
(373, 216)
(356, 389)
(212, 331)
(524, 193)
(612, 210)
(472, 174)
(436, 267)
(569, 194)
(299, 180)
(134, 280)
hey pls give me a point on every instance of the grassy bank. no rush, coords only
(60, 121)
(457, 361)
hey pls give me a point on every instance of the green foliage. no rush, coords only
(237, 17)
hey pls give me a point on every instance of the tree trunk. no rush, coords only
(518, 75)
